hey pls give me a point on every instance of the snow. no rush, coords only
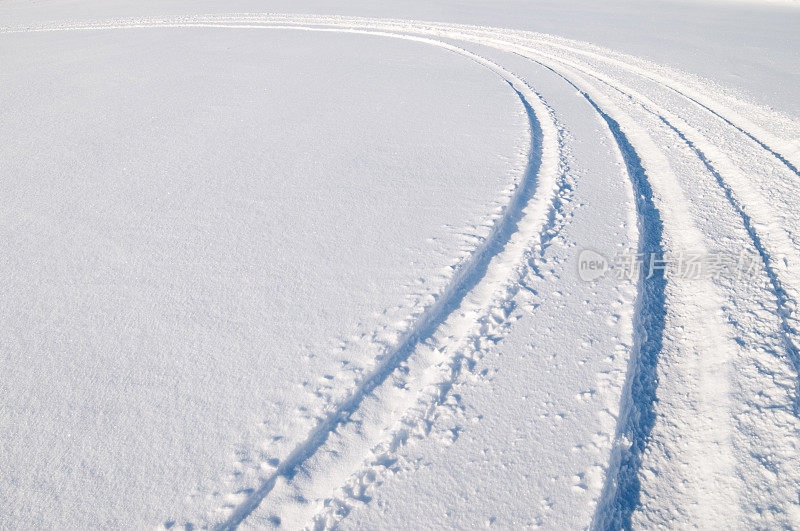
(317, 270)
(193, 264)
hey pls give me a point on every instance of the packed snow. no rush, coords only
(425, 265)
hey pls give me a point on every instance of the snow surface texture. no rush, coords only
(419, 193)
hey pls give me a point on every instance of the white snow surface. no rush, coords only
(269, 264)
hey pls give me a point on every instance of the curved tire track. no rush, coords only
(525, 217)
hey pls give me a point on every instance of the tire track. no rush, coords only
(699, 145)
(621, 495)
(719, 111)
(489, 269)
(541, 170)
(756, 133)
(784, 302)
(487, 35)
(479, 34)
(638, 416)
(465, 280)
(458, 355)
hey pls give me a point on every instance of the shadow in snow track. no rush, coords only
(746, 133)
(622, 489)
(784, 301)
(467, 277)
(621, 493)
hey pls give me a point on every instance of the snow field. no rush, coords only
(671, 401)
